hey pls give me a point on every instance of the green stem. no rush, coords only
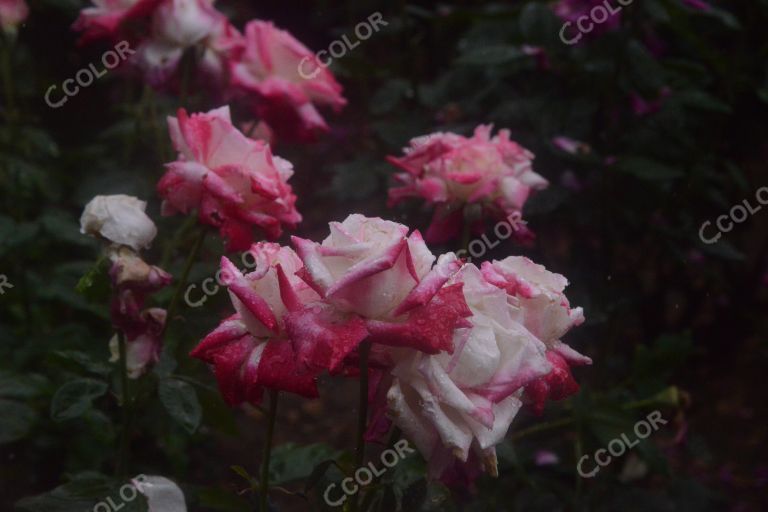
(122, 461)
(5, 64)
(362, 413)
(549, 425)
(188, 65)
(170, 248)
(469, 215)
(183, 280)
(465, 230)
(264, 480)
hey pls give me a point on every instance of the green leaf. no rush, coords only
(85, 361)
(491, 55)
(290, 462)
(82, 493)
(703, 100)
(22, 386)
(181, 403)
(98, 270)
(647, 169)
(538, 24)
(75, 397)
(389, 95)
(16, 419)
(317, 473)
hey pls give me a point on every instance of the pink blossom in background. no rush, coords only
(251, 350)
(105, 18)
(286, 82)
(162, 31)
(642, 107)
(12, 14)
(572, 10)
(546, 458)
(451, 171)
(279, 79)
(176, 25)
(233, 181)
(571, 146)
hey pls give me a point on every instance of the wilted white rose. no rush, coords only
(120, 219)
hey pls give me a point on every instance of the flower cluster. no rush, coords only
(233, 181)
(453, 350)
(452, 171)
(259, 67)
(299, 313)
(121, 220)
(456, 350)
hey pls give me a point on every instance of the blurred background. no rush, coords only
(651, 125)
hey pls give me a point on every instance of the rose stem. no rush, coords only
(183, 280)
(362, 416)
(122, 461)
(264, 480)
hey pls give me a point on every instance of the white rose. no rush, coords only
(120, 219)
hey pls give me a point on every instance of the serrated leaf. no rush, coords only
(180, 401)
(75, 397)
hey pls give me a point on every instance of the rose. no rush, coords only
(142, 342)
(130, 271)
(184, 23)
(268, 66)
(120, 219)
(457, 407)
(376, 281)
(217, 54)
(162, 494)
(251, 349)
(232, 180)
(133, 280)
(12, 14)
(453, 171)
(105, 19)
(366, 265)
(542, 307)
(176, 26)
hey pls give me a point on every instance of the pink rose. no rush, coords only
(176, 26)
(457, 407)
(542, 307)
(288, 81)
(379, 283)
(133, 280)
(143, 343)
(105, 19)
(12, 14)
(217, 53)
(452, 171)
(233, 181)
(251, 349)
